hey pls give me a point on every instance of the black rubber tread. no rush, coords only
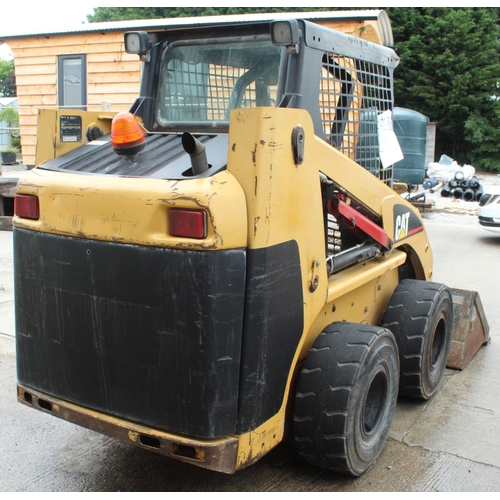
(415, 308)
(331, 393)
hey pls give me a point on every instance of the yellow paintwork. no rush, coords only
(134, 211)
(133, 436)
(284, 203)
(255, 444)
(48, 134)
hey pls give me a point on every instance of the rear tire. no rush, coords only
(420, 315)
(346, 396)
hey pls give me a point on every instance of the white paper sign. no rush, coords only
(389, 148)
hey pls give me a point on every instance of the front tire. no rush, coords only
(420, 315)
(346, 397)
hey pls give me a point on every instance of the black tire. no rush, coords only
(346, 396)
(420, 315)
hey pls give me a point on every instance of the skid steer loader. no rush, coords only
(231, 256)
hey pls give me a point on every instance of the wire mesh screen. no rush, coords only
(352, 94)
(221, 83)
(201, 92)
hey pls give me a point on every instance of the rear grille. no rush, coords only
(161, 152)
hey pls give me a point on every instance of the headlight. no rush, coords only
(489, 199)
(484, 199)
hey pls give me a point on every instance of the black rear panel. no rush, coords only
(148, 334)
(273, 326)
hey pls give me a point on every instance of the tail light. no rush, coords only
(188, 223)
(26, 206)
(127, 135)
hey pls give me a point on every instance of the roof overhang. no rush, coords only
(182, 22)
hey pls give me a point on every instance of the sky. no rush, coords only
(24, 16)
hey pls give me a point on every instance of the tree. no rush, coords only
(11, 118)
(7, 79)
(449, 71)
(106, 14)
(483, 131)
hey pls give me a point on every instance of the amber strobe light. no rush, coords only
(127, 136)
(188, 223)
(26, 206)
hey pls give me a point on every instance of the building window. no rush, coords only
(72, 81)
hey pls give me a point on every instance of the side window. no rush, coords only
(72, 81)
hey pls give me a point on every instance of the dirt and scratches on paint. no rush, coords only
(255, 222)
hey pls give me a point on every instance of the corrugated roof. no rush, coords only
(162, 24)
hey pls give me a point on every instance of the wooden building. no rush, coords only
(86, 67)
(88, 70)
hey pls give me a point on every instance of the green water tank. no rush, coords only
(410, 128)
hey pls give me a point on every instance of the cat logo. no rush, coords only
(406, 223)
(401, 226)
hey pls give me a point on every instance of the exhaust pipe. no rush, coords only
(196, 150)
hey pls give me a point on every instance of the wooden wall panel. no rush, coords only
(26, 80)
(113, 76)
(36, 69)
